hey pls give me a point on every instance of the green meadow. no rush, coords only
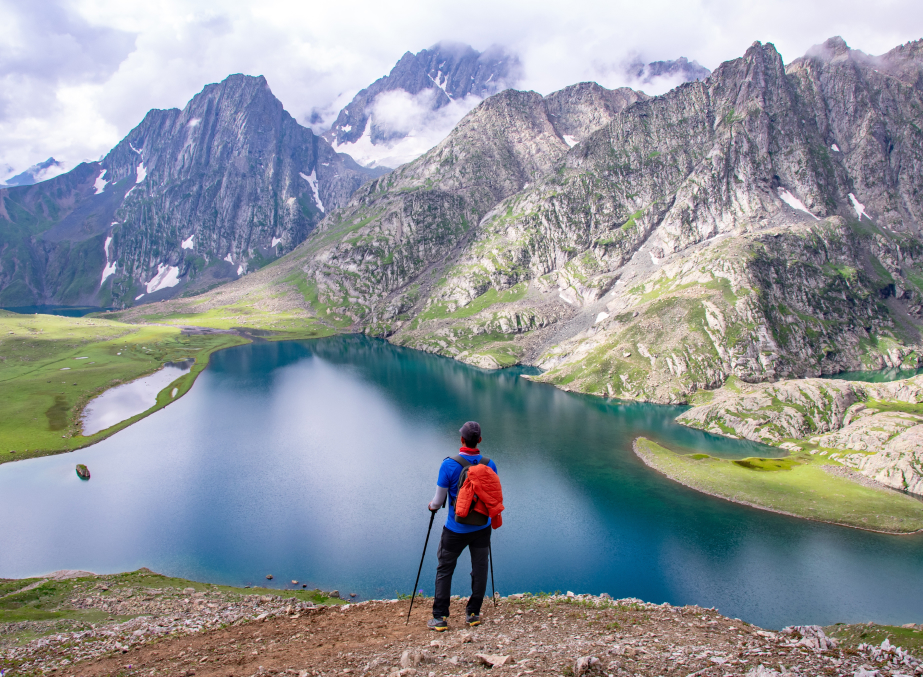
(51, 366)
(795, 485)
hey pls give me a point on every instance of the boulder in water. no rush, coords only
(83, 472)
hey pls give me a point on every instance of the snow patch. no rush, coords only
(859, 207)
(240, 270)
(194, 122)
(835, 148)
(110, 267)
(134, 149)
(142, 173)
(571, 141)
(167, 276)
(229, 259)
(347, 128)
(276, 241)
(602, 316)
(100, 184)
(136, 298)
(312, 181)
(794, 202)
(187, 243)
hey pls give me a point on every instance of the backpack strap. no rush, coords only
(463, 462)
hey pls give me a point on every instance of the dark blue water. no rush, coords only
(66, 311)
(315, 461)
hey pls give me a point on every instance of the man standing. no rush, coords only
(458, 535)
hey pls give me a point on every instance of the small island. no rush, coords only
(83, 472)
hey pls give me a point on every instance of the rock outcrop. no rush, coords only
(874, 428)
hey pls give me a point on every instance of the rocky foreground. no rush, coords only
(226, 631)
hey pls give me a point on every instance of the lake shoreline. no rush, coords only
(650, 461)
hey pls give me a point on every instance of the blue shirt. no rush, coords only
(449, 473)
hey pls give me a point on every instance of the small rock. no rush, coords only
(188, 591)
(467, 638)
(352, 594)
(411, 659)
(335, 594)
(626, 354)
(570, 594)
(493, 660)
(584, 664)
(762, 671)
(294, 582)
(268, 577)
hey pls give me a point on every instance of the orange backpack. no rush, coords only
(480, 495)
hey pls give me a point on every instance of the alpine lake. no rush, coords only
(314, 461)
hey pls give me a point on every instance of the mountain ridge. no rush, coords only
(660, 253)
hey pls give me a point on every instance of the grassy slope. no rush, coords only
(44, 388)
(795, 485)
(852, 636)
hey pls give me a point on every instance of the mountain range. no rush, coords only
(761, 223)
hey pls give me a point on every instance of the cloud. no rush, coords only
(399, 112)
(77, 75)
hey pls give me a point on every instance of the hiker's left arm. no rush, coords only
(438, 499)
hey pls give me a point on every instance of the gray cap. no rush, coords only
(471, 430)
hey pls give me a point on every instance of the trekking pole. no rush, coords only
(490, 556)
(432, 516)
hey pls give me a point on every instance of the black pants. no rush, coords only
(450, 547)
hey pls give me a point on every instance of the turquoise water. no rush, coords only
(315, 461)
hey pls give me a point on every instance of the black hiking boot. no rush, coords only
(473, 619)
(437, 624)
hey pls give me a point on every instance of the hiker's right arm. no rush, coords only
(438, 499)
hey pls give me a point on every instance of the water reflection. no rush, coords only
(130, 399)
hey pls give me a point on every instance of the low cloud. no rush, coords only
(411, 116)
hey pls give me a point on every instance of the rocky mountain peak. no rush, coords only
(188, 198)
(681, 70)
(403, 114)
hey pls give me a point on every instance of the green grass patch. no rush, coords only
(438, 311)
(805, 490)
(851, 636)
(51, 366)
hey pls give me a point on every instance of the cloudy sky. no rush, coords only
(77, 75)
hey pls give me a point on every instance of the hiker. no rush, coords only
(478, 514)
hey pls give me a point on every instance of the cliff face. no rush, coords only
(187, 199)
